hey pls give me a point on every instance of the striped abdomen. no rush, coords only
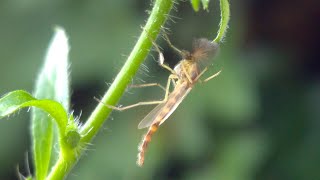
(174, 100)
(144, 144)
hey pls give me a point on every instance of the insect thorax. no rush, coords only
(187, 68)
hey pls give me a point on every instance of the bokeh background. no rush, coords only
(259, 119)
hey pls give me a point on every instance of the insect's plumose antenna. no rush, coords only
(203, 48)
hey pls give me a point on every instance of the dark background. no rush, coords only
(258, 120)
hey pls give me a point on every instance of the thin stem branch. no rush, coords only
(225, 17)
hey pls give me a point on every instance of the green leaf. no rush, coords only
(52, 83)
(205, 4)
(16, 100)
(195, 5)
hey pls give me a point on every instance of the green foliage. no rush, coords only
(225, 17)
(51, 123)
(16, 100)
(52, 83)
(196, 4)
(205, 4)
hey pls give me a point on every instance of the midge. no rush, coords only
(184, 76)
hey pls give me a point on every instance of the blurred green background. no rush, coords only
(258, 120)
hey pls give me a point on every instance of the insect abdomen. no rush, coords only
(145, 142)
(170, 106)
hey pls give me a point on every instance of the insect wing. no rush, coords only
(148, 120)
(179, 100)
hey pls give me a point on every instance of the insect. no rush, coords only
(184, 76)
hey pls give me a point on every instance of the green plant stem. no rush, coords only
(64, 164)
(58, 171)
(157, 18)
(225, 17)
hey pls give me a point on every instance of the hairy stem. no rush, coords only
(156, 20)
(225, 17)
(62, 167)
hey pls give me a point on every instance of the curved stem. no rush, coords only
(225, 17)
(157, 18)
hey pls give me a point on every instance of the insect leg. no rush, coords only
(170, 44)
(202, 72)
(161, 60)
(187, 75)
(147, 85)
(213, 76)
(174, 82)
(161, 57)
(142, 103)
